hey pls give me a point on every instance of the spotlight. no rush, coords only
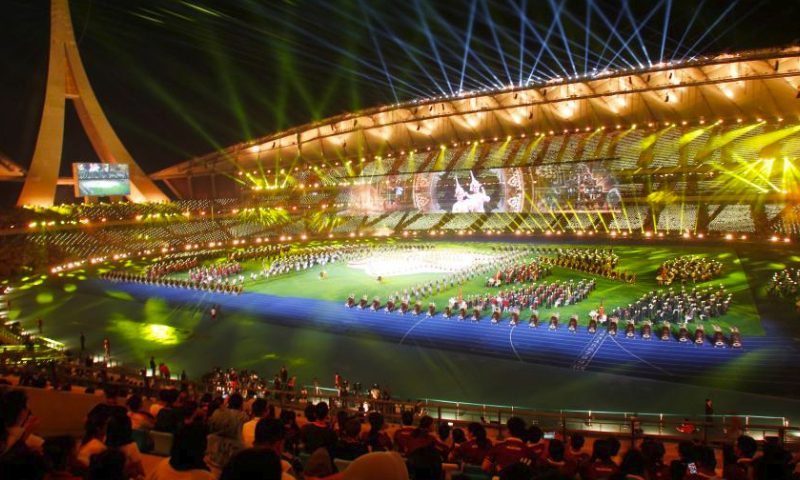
(728, 236)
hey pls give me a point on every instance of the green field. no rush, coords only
(644, 260)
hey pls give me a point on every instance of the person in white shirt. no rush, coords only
(260, 409)
(157, 406)
(186, 458)
(93, 440)
(140, 419)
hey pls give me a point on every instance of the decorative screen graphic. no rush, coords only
(101, 179)
(577, 186)
(586, 186)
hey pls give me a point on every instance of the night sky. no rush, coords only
(179, 79)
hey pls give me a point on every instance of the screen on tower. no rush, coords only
(101, 179)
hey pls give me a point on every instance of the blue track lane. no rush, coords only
(766, 363)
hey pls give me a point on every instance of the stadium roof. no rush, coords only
(747, 85)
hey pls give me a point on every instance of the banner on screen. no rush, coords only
(578, 187)
(101, 179)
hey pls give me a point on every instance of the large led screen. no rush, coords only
(101, 179)
(586, 186)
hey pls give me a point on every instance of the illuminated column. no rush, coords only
(66, 79)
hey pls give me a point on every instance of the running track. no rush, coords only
(765, 364)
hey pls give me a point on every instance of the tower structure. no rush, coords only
(67, 80)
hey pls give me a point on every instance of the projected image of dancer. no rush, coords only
(463, 203)
(472, 202)
(477, 195)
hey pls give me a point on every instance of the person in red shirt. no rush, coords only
(402, 435)
(600, 464)
(553, 465)
(376, 439)
(510, 451)
(743, 453)
(536, 442)
(575, 454)
(475, 449)
(423, 437)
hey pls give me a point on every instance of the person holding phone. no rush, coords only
(18, 422)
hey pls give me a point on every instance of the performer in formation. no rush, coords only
(785, 283)
(160, 269)
(689, 268)
(222, 285)
(594, 261)
(215, 273)
(521, 273)
(684, 306)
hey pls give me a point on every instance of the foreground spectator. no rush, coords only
(349, 447)
(140, 419)
(111, 407)
(186, 457)
(600, 464)
(225, 427)
(576, 454)
(377, 465)
(423, 437)
(108, 465)
(253, 464)
(510, 451)
(403, 435)
(20, 463)
(475, 449)
(18, 422)
(376, 439)
(318, 434)
(554, 466)
(632, 466)
(260, 409)
(118, 436)
(93, 441)
(61, 457)
(168, 418)
(739, 466)
(270, 435)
